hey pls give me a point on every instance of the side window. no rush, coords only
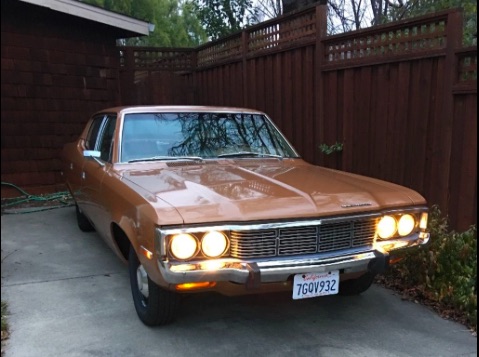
(92, 137)
(106, 140)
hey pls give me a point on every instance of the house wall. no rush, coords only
(56, 71)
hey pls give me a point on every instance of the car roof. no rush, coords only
(178, 108)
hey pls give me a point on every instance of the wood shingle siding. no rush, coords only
(56, 71)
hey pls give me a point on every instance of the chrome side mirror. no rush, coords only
(94, 154)
(91, 153)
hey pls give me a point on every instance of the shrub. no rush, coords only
(444, 270)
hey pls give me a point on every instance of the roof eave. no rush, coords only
(92, 13)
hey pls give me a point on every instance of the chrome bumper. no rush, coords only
(253, 273)
(272, 270)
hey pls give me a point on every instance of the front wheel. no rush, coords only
(154, 305)
(356, 286)
(83, 222)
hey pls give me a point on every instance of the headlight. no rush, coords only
(183, 246)
(214, 244)
(406, 225)
(386, 227)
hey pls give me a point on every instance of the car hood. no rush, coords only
(249, 190)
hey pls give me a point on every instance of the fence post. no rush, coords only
(321, 32)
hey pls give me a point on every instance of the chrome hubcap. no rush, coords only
(142, 280)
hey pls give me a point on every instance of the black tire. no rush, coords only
(83, 222)
(356, 286)
(160, 307)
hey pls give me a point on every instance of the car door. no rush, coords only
(94, 170)
(89, 143)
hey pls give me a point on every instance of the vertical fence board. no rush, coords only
(268, 86)
(297, 101)
(338, 110)
(307, 104)
(347, 98)
(382, 117)
(463, 202)
(416, 106)
(286, 102)
(362, 116)
(278, 84)
(251, 74)
(260, 86)
(404, 111)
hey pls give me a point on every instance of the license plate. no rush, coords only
(310, 285)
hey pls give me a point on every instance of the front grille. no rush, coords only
(326, 237)
(249, 244)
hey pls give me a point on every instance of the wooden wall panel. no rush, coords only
(53, 78)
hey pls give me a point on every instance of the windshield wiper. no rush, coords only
(249, 153)
(159, 158)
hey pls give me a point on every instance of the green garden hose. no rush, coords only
(63, 197)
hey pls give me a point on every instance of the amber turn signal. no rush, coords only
(194, 286)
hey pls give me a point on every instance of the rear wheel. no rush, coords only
(154, 305)
(83, 222)
(356, 286)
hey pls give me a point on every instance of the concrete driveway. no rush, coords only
(69, 295)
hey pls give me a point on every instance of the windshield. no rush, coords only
(200, 135)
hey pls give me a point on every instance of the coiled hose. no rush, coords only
(63, 197)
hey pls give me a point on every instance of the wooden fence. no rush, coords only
(400, 97)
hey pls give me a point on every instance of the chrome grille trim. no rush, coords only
(237, 231)
(294, 241)
(261, 243)
(303, 240)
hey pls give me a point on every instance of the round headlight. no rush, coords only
(406, 225)
(214, 244)
(183, 246)
(386, 227)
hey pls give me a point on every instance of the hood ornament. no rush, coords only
(349, 205)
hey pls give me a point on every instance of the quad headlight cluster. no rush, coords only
(400, 225)
(185, 246)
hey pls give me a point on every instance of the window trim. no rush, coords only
(105, 118)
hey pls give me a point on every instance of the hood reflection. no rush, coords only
(228, 181)
(254, 190)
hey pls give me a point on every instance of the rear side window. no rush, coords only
(92, 137)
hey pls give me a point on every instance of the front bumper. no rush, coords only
(254, 273)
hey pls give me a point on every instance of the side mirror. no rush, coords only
(95, 155)
(91, 153)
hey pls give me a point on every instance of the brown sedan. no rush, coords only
(216, 199)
